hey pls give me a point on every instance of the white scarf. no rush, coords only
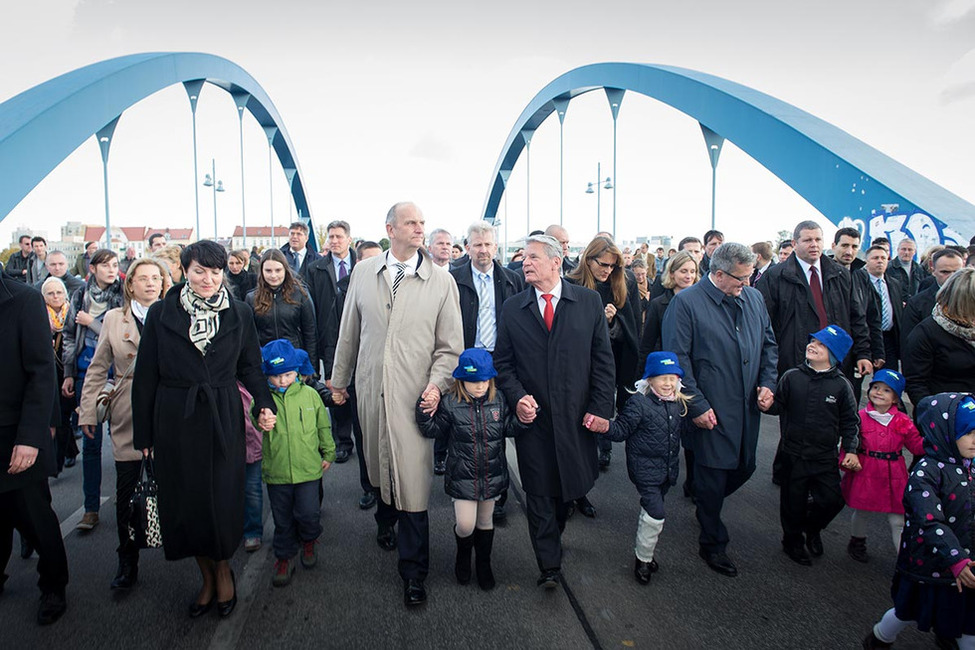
(204, 315)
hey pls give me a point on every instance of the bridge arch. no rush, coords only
(848, 181)
(41, 126)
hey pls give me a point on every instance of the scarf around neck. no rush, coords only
(57, 318)
(966, 334)
(204, 315)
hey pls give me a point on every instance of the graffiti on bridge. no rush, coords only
(895, 225)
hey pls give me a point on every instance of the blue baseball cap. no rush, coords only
(475, 364)
(893, 379)
(836, 340)
(965, 417)
(662, 363)
(279, 357)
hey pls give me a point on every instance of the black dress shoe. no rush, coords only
(386, 537)
(342, 456)
(70, 462)
(440, 467)
(226, 607)
(127, 575)
(814, 542)
(197, 610)
(26, 550)
(367, 500)
(797, 553)
(644, 570)
(605, 458)
(549, 579)
(51, 608)
(584, 505)
(414, 593)
(719, 562)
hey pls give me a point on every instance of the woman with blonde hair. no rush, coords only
(118, 348)
(680, 272)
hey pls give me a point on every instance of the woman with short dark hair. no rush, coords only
(196, 343)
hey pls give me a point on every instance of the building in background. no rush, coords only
(259, 236)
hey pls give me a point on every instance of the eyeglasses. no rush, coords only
(603, 265)
(744, 280)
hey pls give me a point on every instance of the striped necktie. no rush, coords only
(886, 320)
(486, 333)
(400, 272)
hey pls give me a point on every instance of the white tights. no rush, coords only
(890, 626)
(470, 513)
(858, 525)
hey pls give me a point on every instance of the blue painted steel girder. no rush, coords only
(41, 126)
(839, 175)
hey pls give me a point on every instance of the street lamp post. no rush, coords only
(211, 181)
(600, 183)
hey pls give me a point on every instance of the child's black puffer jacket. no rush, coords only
(476, 468)
(651, 428)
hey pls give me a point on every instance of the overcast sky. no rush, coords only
(387, 101)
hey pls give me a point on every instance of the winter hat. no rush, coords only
(893, 379)
(836, 340)
(279, 357)
(965, 417)
(662, 363)
(475, 364)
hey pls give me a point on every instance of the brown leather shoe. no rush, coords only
(88, 521)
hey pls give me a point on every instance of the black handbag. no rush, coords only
(144, 509)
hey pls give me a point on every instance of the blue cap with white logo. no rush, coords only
(475, 364)
(662, 363)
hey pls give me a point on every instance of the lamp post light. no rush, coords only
(599, 184)
(210, 181)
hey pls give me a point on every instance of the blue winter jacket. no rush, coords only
(651, 428)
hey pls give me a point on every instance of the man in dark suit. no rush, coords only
(556, 369)
(720, 330)
(299, 255)
(27, 402)
(328, 280)
(888, 300)
(944, 262)
(484, 286)
(712, 239)
(763, 260)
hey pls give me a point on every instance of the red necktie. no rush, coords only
(817, 291)
(549, 314)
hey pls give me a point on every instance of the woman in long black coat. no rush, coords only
(196, 343)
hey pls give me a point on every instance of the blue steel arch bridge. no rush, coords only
(849, 182)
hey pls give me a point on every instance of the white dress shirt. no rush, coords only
(556, 296)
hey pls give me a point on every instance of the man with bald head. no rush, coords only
(561, 235)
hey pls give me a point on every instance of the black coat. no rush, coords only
(652, 339)
(936, 361)
(910, 282)
(295, 322)
(651, 428)
(16, 265)
(475, 432)
(71, 283)
(328, 294)
(793, 312)
(241, 284)
(918, 307)
(187, 408)
(570, 372)
(507, 283)
(896, 293)
(28, 385)
(310, 257)
(869, 298)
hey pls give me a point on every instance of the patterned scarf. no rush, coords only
(56, 318)
(204, 315)
(966, 334)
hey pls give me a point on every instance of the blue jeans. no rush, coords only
(297, 516)
(91, 460)
(253, 502)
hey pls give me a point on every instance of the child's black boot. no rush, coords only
(462, 566)
(857, 549)
(483, 542)
(644, 570)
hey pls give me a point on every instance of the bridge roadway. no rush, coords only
(353, 599)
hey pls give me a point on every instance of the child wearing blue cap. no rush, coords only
(474, 419)
(817, 411)
(295, 454)
(879, 485)
(933, 583)
(651, 423)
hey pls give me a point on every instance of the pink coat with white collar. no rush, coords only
(880, 485)
(252, 435)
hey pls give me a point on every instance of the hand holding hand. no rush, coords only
(339, 396)
(707, 420)
(83, 318)
(595, 423)
(851, 462)
(526, 409)
(864, 367)
(266, 420)
(22, 458)
(430, 399)
(765, 398)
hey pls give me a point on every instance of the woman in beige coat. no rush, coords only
(118, 345)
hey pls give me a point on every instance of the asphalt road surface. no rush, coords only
(353, 598)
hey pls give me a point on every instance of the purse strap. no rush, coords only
(146, 471)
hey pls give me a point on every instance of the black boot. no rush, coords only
(128, 573)
(483, 542)
(26, 550)
(857, 549)
(462, 567)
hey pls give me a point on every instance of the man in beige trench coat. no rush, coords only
(401, 335)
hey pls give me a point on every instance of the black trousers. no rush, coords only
(127, 475)
(892, 348)
(413, 539)
(359, 449)
(546, 521)
(28, 509)
(342, 424)
(819, 479)
(711, 487)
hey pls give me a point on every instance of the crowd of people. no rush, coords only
(421, 360)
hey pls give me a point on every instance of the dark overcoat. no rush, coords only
(872, 310)
(918, 307)
(187, 408)
(27, 386)
(793, 312)
(569, 371)
(507, 283)
(652, 338)
(936, 361)
(872, 303)
(727, 351)
(328, 295)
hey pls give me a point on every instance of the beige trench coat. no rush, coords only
(396, 349)
(118, 344)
